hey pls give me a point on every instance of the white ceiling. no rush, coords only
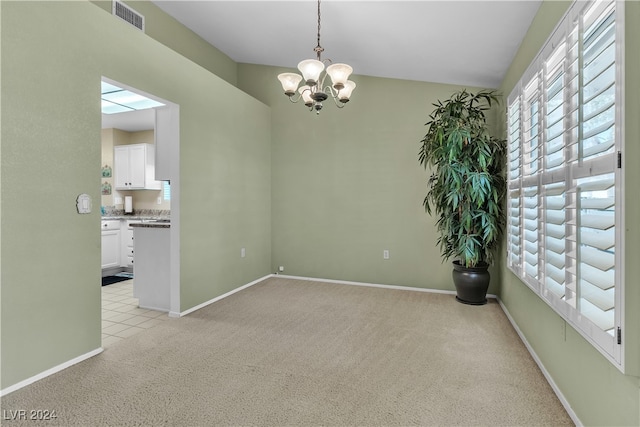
(459, 42)
(469, 43)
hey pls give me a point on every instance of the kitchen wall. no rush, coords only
(142, 199)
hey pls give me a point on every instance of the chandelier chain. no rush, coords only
(318, 22)
(318, 48)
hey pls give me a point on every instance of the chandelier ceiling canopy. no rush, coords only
(313, 92)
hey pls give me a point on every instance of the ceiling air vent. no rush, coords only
(125, 13)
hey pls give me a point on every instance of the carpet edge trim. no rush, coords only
(50, 371)
(547, 375)
(218, 298)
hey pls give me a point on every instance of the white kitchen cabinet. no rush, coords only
(134, 167)
(126, 251)
(110, 244)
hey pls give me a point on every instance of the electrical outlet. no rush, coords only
(243, 253)
(159, 200)
(385, 254)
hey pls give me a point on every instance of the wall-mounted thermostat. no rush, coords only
(83, 203)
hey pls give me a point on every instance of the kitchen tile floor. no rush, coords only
(121, 316)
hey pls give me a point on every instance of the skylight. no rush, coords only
(118, 100)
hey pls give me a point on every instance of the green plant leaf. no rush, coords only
(467, 184)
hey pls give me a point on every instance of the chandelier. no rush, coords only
(313, 92)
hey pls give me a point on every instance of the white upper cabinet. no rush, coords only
(134, 167)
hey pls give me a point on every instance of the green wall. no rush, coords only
(168, 31)
(347, 183)
(596, 390)
(53, 57)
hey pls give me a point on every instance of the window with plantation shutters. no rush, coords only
(564, 215)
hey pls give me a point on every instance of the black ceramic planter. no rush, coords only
(471, 283)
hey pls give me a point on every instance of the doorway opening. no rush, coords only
(139, 183)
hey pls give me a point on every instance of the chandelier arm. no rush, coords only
(338, 104)
(334, 95)
(334, 92)
(297, 98)
(321, 80)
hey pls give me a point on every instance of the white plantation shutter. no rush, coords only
(598, 94)
(555, 238)
(563, 213)
(513, 231)
(530, 214)
(557, 101)
(514, 234)
(572, 95)
(514, 140)
(596, 250)
(554, 103)
(531, 129)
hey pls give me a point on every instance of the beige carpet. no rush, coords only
(298, 353)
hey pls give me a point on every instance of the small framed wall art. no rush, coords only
(106, 189)
(106, 171)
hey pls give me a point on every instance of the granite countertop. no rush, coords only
(111, 213)
(151, 218)
(134, 218)
(161, 223)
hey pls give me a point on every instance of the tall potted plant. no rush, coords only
(466, 188)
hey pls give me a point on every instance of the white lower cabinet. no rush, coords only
(126, 255)
(110, 244)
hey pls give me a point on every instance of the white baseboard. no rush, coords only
(79, 359)
(150, 307)
(48, 372)
(546, 374)
(218, 298)
(372, 285)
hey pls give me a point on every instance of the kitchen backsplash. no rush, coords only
(113, 211)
